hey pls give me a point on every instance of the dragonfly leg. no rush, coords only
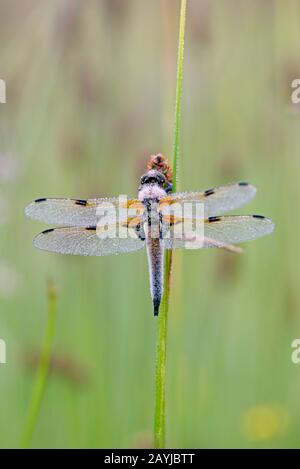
(140, 231)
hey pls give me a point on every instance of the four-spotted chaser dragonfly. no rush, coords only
(103, 226)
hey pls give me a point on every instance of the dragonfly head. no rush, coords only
(153, 177)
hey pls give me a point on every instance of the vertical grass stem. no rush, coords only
(42, 372)
(162, 326)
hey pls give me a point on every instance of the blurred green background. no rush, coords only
(90, 94)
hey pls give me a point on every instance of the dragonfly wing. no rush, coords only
(89, 241)
(219, 232)
(216, 201)
(78, 212)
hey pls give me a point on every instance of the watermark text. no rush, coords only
(295, 357)
(2, 91)
(2, 351)
(295, 96)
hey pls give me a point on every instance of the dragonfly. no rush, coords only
(104, 226)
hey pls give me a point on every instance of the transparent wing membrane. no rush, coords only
(89, 241)
(78, 212)
(103, 226)
(216, 201)
(220, 232)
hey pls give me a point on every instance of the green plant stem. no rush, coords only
(162, 327)
(178, 98)
(42, 372)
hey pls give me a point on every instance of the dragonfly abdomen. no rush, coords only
(155, 254)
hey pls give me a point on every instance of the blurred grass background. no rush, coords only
(90, 94)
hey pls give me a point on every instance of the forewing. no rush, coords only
(221, 232)
(79, 212)
(89, 241)
(216, 201)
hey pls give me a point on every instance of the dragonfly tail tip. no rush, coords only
(156, 304)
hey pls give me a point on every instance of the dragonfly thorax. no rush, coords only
(151, 192)
(151, 187)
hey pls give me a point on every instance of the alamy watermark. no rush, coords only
(295, 96)
(175, 223)
(2, 351)
(2, 91)
(295, 357)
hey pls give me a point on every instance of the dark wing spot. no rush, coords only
(209, 192)
(81, 202)
(48, 231)
(243, 183)
(40, 200)
(258, 216)
(212, 219)
(91, 228)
